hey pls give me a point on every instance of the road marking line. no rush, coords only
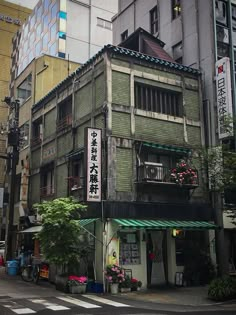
(22, 310)
(77, 302)
(50, 306)
(105, 301)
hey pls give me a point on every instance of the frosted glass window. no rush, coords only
(45, 23)
(45, 42)
(39, 13)
(53, 31)
(62, 45)
(38, 49)
(39, 31)
(46, 5)
(32, 22)
(54, 11)
(63, 5)
(53, 49)
(62, 25)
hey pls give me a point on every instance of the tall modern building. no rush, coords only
(11, 18)
(73, 30)
(200, 34)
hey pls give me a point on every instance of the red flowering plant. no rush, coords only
(114, 274)
(183, 174)
(135, 284)
(75, 280)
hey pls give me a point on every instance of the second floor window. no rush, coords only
(154, 21)
(24, 135)
(24, 90)
(154, 99)
(176, 8)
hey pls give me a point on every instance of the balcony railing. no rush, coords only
(64, 122)
(47, 191)
(75, 183)
(36, 141)
(157, 173)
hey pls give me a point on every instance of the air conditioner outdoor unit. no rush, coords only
(153, 171)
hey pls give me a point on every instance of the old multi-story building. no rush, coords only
(11, 18)
(113, 132)
(200, 34)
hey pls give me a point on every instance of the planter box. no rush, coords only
(61, 282)
(124, 290)
(78, 289)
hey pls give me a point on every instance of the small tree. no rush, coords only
(59, 237)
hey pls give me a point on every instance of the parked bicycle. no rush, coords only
(35, 270)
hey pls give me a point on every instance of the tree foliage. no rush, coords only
(59, 237)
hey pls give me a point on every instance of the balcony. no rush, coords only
(64, 122)
(36, 141)
(74, 183)
(47, 191)
(156, 173)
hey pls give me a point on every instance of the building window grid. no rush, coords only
(157, 100)
(104, 23)
(154, 21)
(176, 8)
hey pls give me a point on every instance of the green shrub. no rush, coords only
(222, 289)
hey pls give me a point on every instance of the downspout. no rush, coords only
(232, 72)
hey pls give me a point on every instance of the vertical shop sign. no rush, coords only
(94, 172)
(224, 97)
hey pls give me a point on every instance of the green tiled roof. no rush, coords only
(166, 147)
(119, 51)
(163, 225)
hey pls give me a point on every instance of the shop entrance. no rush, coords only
(156, 258)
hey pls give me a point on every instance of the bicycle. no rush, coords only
(30, 273)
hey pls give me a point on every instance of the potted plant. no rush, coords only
(135, 284)
(125, 286)
(183, 174)
(77, 284)
(115, 275)
(139, 285)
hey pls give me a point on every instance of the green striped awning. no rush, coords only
(166, 147)
(164, 224)
(84, 222)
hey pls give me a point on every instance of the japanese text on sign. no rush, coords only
(224, 98)
(94, 165)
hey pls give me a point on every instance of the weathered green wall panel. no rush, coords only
(100, 122)
(157, 72)
(61, 180)
(124, 175)
(121, 125)
(121, 63)
(192, 104)
(100, 90)
(49, 152)
(34, 194)
(64, 144)
(120, 88)
(49, 123)
(159, 84)
(80, 134)
(83, 101)
(160, 131)
(35, 158)
(193, 82)
(194, 136)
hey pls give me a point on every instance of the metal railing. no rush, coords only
(36, 141)
(47, 191)
(64, 122)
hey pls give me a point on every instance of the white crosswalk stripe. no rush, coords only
(49, 305)
(105, 301)
(77, 302)
(19, 309)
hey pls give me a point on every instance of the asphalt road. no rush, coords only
(92, 305)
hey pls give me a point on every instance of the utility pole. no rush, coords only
(13, 141)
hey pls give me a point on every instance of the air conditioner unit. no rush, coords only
(153, 171)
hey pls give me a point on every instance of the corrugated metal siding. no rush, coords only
(50, 126)
(121, 125)
(192, 104)
(83, 101)
(64, 144)
(124, 168)
(163, 132)
(61, 178)
(35, 158)
(100, 90)
(35, 188)
(120, 88)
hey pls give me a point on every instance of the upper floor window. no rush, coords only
(104, 23)
(176, 8)
(24, 90)
(221, 12)
(24, 135)
(154, 21)
(124, 35)
(158, 100)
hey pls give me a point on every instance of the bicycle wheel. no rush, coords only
(35, 273)
(26, 274)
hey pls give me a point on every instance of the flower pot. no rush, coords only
(138, 288)
(124, 290)
(78, 289)
(114, 288)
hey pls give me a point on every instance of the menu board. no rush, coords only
(129, 249)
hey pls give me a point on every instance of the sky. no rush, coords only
(25, 3)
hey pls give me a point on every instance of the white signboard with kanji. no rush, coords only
(94, 169)
(224, 97)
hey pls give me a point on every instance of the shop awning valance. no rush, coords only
(38, 228)
(164, 224)
(166, 147)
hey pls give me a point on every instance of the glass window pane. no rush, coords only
(53, 31)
